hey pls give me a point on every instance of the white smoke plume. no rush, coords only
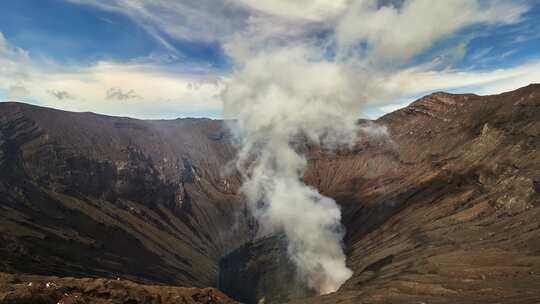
(313, 88)
(278, 96)
(281, 95)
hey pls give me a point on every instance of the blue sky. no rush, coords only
(68, 32)
(71, 54)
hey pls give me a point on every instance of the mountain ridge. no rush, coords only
(425, 192)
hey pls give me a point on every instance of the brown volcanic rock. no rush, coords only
(52, 290)
(449, 213)
(262, 272)
(443, 210)
(90, 195)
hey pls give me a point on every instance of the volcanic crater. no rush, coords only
(441, 207)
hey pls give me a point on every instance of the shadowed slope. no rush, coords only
(85, 194)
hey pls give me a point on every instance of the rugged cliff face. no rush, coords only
(442, 209)
(448, 212)
(85, 194)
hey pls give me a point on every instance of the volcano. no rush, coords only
(444, 209)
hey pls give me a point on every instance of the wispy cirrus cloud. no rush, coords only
(199, 20)
(411, 24)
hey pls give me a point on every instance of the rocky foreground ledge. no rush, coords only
(15, 289)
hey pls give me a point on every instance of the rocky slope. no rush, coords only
(89, 195)
(447, 212)
(16, 289)
(442, 208)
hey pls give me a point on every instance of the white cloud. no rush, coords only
(61, 95)
(313, 10)
(103, 86)
(248, 27)
(152, 90)
(397, 34)
(416, 82)
(395, 31)
(119, 94)
(392, 31)
(421, 79)
(17, 91)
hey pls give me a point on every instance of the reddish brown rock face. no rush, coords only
(91, 195)
(449, 213)
(443, 210)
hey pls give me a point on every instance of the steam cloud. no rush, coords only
(313, 88)
(277, 97)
